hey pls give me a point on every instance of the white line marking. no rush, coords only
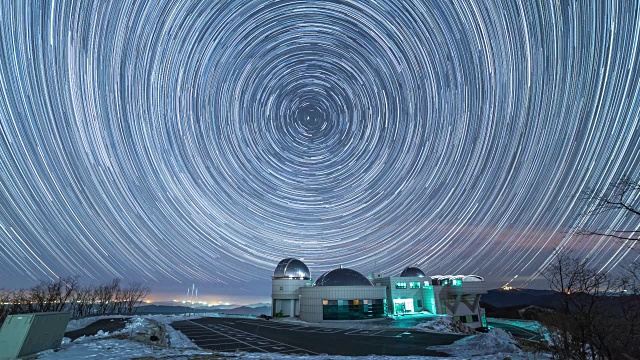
(257, 336)
(255, 347)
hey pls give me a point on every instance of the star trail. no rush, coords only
(202, 141)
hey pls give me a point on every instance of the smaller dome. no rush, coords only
(342, 277)
(291, 268)
(412, 272)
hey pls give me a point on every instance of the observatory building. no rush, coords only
(345, 294)
(342, 294)
(290, 276)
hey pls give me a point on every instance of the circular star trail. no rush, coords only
(205, 141)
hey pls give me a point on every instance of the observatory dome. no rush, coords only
(412, 272)
(291, 268)
(342, 277)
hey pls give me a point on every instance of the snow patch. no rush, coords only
(444, 324)
(496, 342)
(118, 344)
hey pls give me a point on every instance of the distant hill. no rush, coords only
(522, 298)
(210, 307)
(173, 309)
(246, 310)
(167, 309)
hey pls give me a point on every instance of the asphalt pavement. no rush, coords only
(227, 334)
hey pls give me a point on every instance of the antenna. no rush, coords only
(192, 296)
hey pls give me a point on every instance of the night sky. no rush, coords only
(181, 142)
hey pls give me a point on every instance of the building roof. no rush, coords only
(291, 268)
(464, 278)
(342, 277)
(412, 272)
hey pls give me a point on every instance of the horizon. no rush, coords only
(219, 294)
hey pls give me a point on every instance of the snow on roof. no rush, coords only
(464, 278)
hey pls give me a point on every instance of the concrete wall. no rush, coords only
(286, 288)
(393, 293)
(460, 300)
(285, 296)
(311, 298)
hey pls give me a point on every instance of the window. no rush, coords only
(419, 303)
(456, 282)
(414, 285)
(401, 285)
(352, 309)
(474, 318)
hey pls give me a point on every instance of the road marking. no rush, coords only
(324, 330)
(230, 330)
(255, 347)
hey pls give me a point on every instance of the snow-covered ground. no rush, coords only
(497, 344)
(530, 325)
(118, 344)
(443, 324)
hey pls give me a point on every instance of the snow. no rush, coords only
(118, 344)
(530, 325)
(496, 344)
(443, 324)
(122, 344)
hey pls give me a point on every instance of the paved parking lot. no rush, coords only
(228, 334)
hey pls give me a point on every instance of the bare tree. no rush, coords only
(599, 313)
(105, 294)
(135, 294)
(84, 299)
(66, 294)
(621, 196)
(6, 296)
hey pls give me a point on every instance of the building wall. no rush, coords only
(462, 302)
(285, 296)
(416, 294)
(311, 306)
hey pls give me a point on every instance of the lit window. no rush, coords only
(414, 285)
(401, 285)
(325, 302)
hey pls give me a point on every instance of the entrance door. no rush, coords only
(402, 306)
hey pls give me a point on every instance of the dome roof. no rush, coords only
(342, 277)
(412, 272)
(291, 268)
